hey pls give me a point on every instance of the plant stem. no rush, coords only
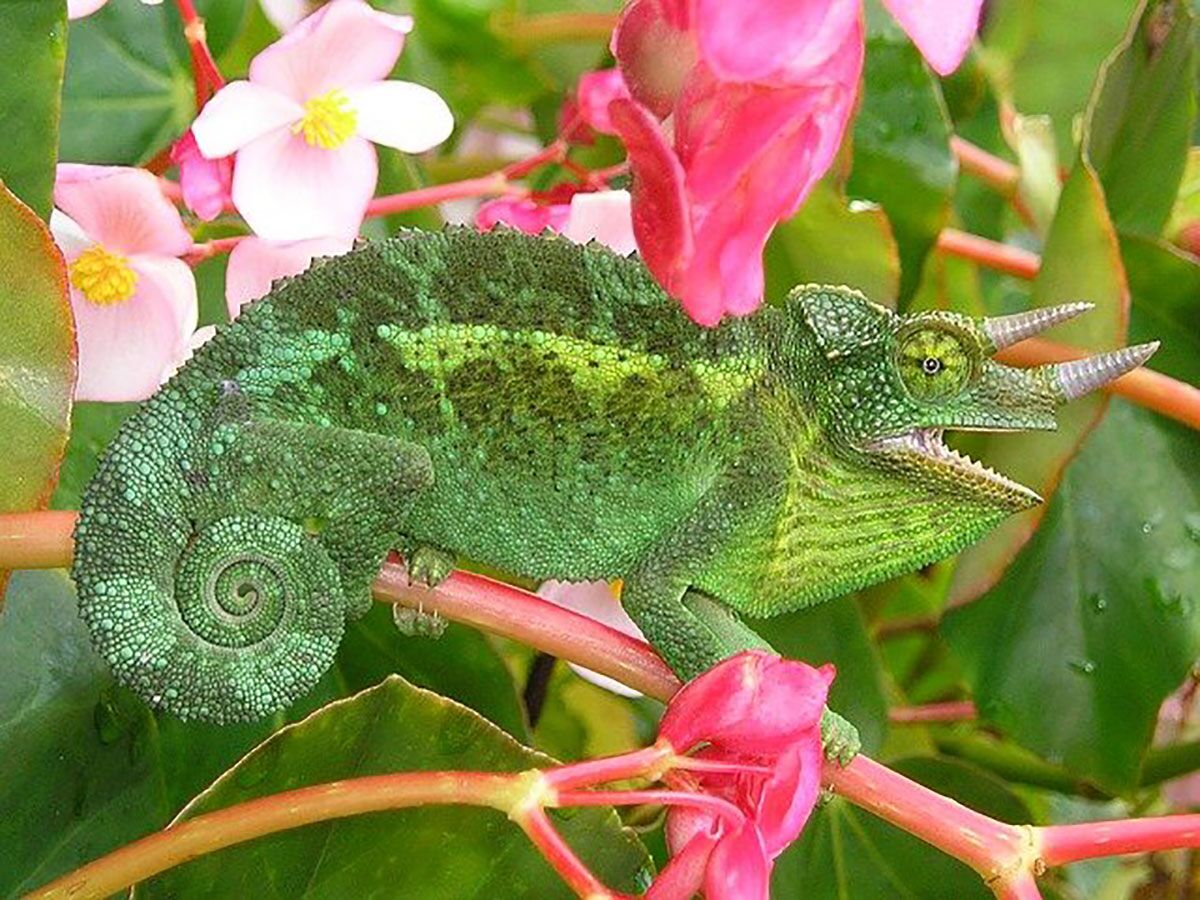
(495, 185)
(989, 253)
(541, 831)
(998, 174)
(205, 74)
(1070, 843)
(1145, 387)
(648, 763)
(36, 540)
(951, 711)
(214, 831)
(524, 33)
(715, 805)
(209, 249)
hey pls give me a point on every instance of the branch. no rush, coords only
(990, 254)
(1070, 843)
(951, 711)
(205, 74)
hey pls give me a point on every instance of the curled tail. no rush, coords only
(216, 563)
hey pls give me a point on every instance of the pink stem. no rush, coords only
(645, 763)
(714, 805)
(1069, 843)
(209, 249)
(992, 254)
(559, 854)
(1021, 886)
(494, 185)
(718, 766)
(953, 711)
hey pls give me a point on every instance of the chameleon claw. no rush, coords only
(839, 738)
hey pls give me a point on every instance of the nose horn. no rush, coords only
(1004, 331)
(1082, 376)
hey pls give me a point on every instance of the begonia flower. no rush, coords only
(594, 93)
(596, 600)
(759, 716)
(199, 338)
(133, 299)
(302, 125)
(77, 9)
(603, 216)
(205, 183)
(254, 263)
(736, 111)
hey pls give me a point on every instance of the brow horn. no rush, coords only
(1082, 376)
(1004, 331)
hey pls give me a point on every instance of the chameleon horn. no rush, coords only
(1084, 375)
(1004, 331)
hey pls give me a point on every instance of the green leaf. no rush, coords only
(845, 852)
(834, 632)
(902, 156)
(425, 852)
(1165, 284)
(1095, 622)
(832, 242)
(33, 46)
(128, 92)
(37, 358)
(1081, 261)
(93, 425)
(1138, 124)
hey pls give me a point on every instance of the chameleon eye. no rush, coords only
(933, 363)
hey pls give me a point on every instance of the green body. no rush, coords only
(532, 405)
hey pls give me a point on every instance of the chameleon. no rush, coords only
(544, 408)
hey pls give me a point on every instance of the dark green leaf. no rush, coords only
(902, 156)
(32, 46)
(93, 425)
(1138, 124)
(1165, 285)
(1095, 621)
(427, 852)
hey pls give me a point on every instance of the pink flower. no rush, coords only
(302, 126)
(603, 216)
(134, 300)
(595, 92)
(205, 182)
(759, 716)
(199, 338)
(757, 97)
(254, 263)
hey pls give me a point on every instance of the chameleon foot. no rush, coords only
(427, 566)
(418, 623)
(839, 738)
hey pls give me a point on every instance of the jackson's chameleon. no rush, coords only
(545, 408)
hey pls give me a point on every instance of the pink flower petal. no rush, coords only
(125, 347)
(288, 190)
(941, 29)
(661, 220)
(655, 52)
(344, 43)
(780, 42)
(603, 216)
(595, 91)
(254, 263)
(595, 600)
(239, 113)
(199, 338)
(77, 9)
(522, 214)
(401, 114)
(790, 793)
(204, 182)
(738, 868)
(683, 874)
(121, 208)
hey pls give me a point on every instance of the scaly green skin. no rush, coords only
(536, 406)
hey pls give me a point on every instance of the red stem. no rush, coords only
(209, 249)
(715, 805)
(647, 763)
(206, 75)
(992, 254)
(1070, 843)
(558, 853)
(952, 711)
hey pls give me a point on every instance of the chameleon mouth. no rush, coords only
(927, 444)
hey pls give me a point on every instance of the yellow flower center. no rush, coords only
(104, 278)
(329, 121)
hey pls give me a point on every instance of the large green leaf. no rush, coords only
(1081, 261)
(37, 358)
(33, 46)
(1095, 622)
(845, 852)
(426, 852)
(1165, 284)
(902, 156)
(85, 767)
(1138, 125)
(832, 242)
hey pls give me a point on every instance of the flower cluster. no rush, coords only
(736, 110)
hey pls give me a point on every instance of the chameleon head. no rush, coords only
(892, 385)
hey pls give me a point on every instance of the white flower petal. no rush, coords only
(401, 114)
(239, 113)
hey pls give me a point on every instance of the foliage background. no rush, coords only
(1068, 647)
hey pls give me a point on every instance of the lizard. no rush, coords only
(545, 408)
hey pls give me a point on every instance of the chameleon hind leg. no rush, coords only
(426, 566)
(291, 523)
